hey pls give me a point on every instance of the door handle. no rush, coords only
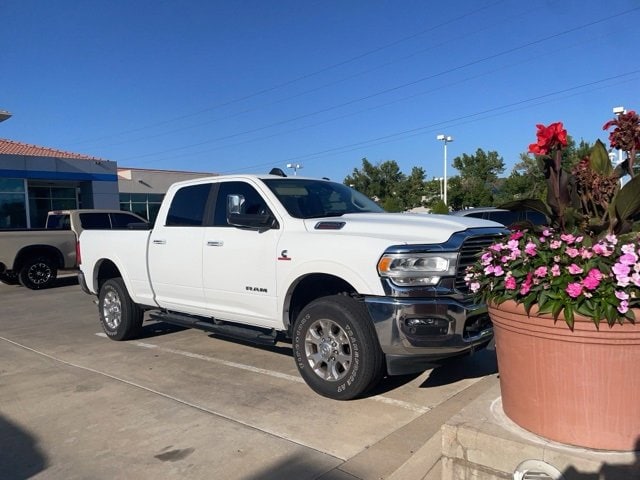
(159, 242)
(212, 243)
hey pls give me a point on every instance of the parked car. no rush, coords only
(359, 292)
(33, 257)
(505, 217)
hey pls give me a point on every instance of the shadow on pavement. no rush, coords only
(157, 329)
(65, 281)
(20, 456)
(480, 364)
(608, 471)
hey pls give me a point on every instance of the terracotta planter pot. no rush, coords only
(581, 388)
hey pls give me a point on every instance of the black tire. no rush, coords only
(9, 277)
(120, 318)
(38, 272)
(336, 348)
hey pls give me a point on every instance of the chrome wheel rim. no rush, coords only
(112, 310)
(39, 273)
(328, 350)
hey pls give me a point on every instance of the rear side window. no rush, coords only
(122, 220)
(95, 221)
(188, 206)
(58, 222)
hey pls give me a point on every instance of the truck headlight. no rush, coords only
(410, 270)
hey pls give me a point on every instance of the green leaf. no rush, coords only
(568, 315)
(556, 308)
(599, 159)
(627, 201)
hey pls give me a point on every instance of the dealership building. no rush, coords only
(35, 180)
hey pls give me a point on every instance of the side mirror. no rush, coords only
(257, 221)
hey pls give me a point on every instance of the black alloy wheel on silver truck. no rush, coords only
(336, 348)
(9, 277)
(120, 318)
(38, 272)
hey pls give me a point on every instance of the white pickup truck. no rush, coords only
(360, 293)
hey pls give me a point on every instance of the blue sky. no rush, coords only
(241, 86)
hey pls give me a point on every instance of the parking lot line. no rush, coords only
(378, 398)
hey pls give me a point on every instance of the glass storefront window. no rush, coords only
(13, 213)
(10, 185)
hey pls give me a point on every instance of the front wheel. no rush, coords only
(336, 348)
(120, 317)
(38, 273)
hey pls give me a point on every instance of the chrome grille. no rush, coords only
(469, 253)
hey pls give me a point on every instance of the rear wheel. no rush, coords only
(9, 277)
(120, 318)
(336, 348)
(37, 273)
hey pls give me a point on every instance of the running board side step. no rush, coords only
(262, 336)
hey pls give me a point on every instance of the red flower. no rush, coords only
(549, 138)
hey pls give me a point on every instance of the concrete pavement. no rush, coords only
(183, 404)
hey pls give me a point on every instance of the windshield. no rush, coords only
(307, 198)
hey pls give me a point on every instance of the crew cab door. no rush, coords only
(239, 275)
(175, 251)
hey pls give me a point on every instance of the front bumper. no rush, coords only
(415, 333)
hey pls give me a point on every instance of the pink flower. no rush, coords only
(510, 283)
(595, 273)
(530, 249)
(572, 252)
(498, 271)
(555, 270)
(574, 290)
(541, 271)
(623, 307)
(555, 244)
(547, 232)
(575, 269)
(621, 272)
(591, 283)
(486, 258)
(567, 238)
(474, 286)
(620, 295)
(517, 235)
(586, 253)
(628, 259)
(628, 248)
(526, 285)
(612, 239)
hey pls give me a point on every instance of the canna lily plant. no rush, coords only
(587, 260)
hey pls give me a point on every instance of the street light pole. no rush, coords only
(295, 166)
(617, 111)
(446, 139)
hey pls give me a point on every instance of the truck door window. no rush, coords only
(188, 206)
(251, 201)
(122, 220)
(95, 221)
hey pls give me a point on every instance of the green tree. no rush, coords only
(527, 179)
(387, 185)
(478, 179)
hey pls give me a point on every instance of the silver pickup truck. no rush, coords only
(33, 257)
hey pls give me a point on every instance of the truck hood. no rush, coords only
(401, 228)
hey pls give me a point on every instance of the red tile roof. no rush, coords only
(10, 147)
